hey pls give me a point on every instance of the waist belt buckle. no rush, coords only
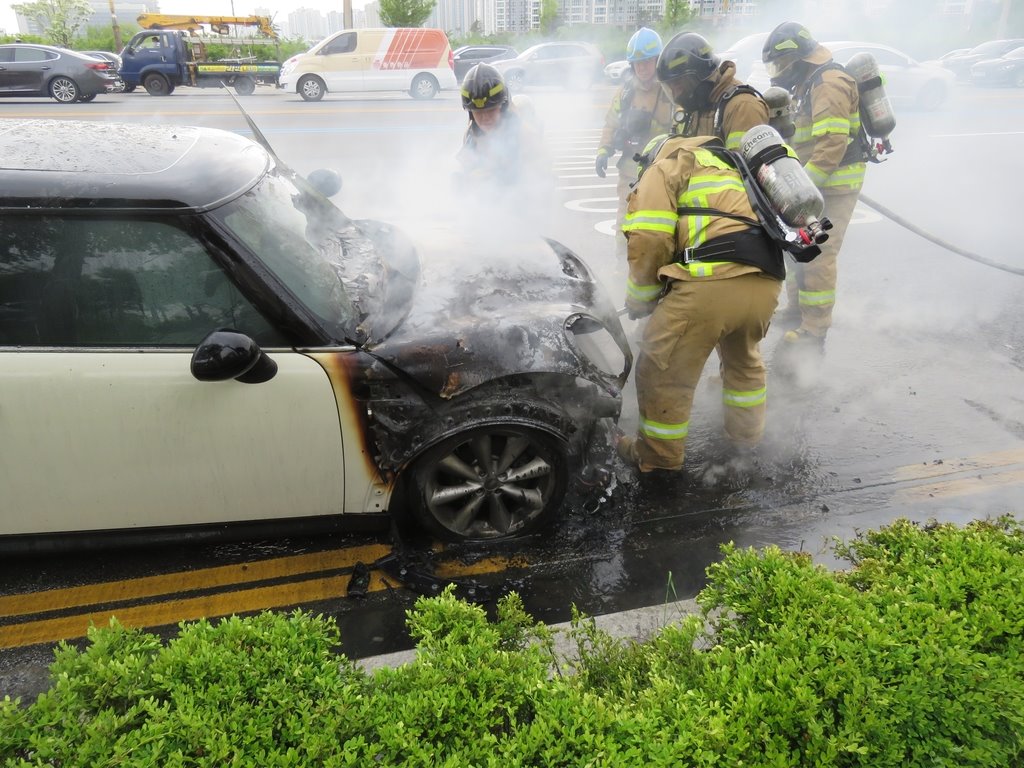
(688, 257)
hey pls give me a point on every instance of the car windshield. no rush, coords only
(303, 239)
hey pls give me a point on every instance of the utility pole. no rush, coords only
(347, 14)
(117, 29)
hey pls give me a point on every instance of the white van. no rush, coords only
(418, 61)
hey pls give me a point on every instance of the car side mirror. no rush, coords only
(325, 181)
(227, 354)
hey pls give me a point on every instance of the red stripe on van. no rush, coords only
(414, 49)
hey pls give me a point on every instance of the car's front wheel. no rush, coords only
(312, 88)
(489, 482)
(515, 79)
(65, 90)
(423, 87)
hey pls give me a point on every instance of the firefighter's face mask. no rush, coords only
(486, 119)
(690, 93)
(778, 68)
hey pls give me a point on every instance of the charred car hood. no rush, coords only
(479, 311)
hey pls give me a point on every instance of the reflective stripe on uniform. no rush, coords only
(651, 221)
(658, 431)
(642, 292)
(703, 268)
(817, 298)
(847, 176)
(697, 195)
(734, 139)
(740, 399)
(830, 124)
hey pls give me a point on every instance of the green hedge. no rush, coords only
(910, 657)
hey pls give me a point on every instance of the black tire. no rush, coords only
(87, 97)
(65, 90)
(129, 88)
(932, 96)
(515, 79)
(490, 482)
(312, 88)
(157, 85)
(424, 87)
(244, 86)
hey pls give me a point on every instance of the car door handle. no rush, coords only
(44, 67)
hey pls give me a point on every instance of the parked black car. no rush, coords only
(466, 57)
(961, 64)
(43, 70)
(193, 337)
(1006, 70)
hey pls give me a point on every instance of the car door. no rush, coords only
(6, 73)
(104, 427)
(342, 63)
(31, 69)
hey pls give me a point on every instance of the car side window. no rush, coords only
(341, 44)
(32, 54)
(109, 282)
(6, 54)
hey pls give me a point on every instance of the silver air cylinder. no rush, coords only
(785, 183)
(875, 110)
(780, 110)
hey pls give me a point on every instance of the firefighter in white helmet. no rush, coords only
(827, 119)
(709, 276)
(639, 111)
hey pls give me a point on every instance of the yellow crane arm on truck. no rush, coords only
(221, 25)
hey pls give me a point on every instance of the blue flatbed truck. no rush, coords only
(160, 60)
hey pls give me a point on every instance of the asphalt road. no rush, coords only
(917, 412)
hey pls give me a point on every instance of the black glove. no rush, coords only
(601, 162)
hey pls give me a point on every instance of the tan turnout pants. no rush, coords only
(812, 286)
(692, 319)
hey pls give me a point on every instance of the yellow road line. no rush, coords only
(172, 612)
(186, 581)
(191, 609)
(960, 464)
(959, 487)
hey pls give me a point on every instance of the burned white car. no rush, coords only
(194, 340)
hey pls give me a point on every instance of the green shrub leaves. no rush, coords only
(912, 657)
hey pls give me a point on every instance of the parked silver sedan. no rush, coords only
(43, 70)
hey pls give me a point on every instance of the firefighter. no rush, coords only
(639, 111)
(708, 281)
(827, 118)
(503, 158)
(714, 101)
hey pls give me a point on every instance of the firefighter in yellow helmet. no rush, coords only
(827, 117)
(714, 100)
(639, 111)
(708, 281)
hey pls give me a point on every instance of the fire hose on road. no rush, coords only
(893, 216)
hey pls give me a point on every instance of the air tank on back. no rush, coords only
(780, 110)
(875, 110)
(785, 183)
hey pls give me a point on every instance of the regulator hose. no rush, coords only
(938, 241)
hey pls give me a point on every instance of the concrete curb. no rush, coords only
(639, 624)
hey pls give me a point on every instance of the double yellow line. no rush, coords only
(219, 603)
